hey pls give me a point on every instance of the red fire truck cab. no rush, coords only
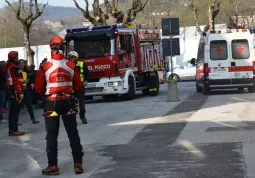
(121, 59)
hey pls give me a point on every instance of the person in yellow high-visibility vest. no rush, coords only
(85, 76)
(27, 89)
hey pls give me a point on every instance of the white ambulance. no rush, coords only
(226, 60)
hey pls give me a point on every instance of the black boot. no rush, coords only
(84, 120)
(51, 171)
(78, 169)
(34, 121)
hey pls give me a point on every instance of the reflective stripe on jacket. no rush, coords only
(24, 74)
(81, 66)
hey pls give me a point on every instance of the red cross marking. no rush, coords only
(240, 49)
(218, 50)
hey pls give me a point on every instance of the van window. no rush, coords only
(218, 50)
(240, 49)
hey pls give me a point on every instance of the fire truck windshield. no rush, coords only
(93, 48)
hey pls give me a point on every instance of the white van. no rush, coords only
(225, 60)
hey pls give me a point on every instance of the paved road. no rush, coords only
(222, 133)
(203, 137)
(112, 125)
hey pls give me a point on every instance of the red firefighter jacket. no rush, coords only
(13, 83)
(57, 75)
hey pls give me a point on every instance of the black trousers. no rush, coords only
(80, 95)
(14, 114)
(52, 129)
(28, 99)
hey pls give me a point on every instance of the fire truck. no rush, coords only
(122, 59)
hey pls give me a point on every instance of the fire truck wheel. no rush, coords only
(131, 89)
(146, 92)
(155, 90)
(241, 89)
(251, 89)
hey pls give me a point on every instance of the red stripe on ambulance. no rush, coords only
(240, 69)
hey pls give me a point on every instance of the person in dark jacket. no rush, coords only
(28, 86)
(32, 77)
(85, 76)
(3, 81)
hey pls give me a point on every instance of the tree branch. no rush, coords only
(27, 20)
(195, 15)
(38, 11)
(99, 15)
(137, 6)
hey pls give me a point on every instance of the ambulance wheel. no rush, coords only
(198, 88)
(206, 90)
(251, 89)
(131, 89)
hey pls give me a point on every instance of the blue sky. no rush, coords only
(66, 3)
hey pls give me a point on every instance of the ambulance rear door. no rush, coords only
(219, 61)
(241, 62)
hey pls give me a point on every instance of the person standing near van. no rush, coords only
(85, 76)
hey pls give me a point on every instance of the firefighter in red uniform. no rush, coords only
(57, 80)
(14, 92)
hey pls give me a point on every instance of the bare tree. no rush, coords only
(238, 13)
(213, 11)
(26, 16)
(41, 33)
(110, 10)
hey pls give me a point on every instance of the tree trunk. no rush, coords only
(211, 19)
(195, 15)
(29, 52)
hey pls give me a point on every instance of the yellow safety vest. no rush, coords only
(24, 74)
(80, 64)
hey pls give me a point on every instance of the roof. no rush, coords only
(106, 31)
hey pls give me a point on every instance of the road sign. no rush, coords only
(171, 47)
(167, 47)
(170, 26)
